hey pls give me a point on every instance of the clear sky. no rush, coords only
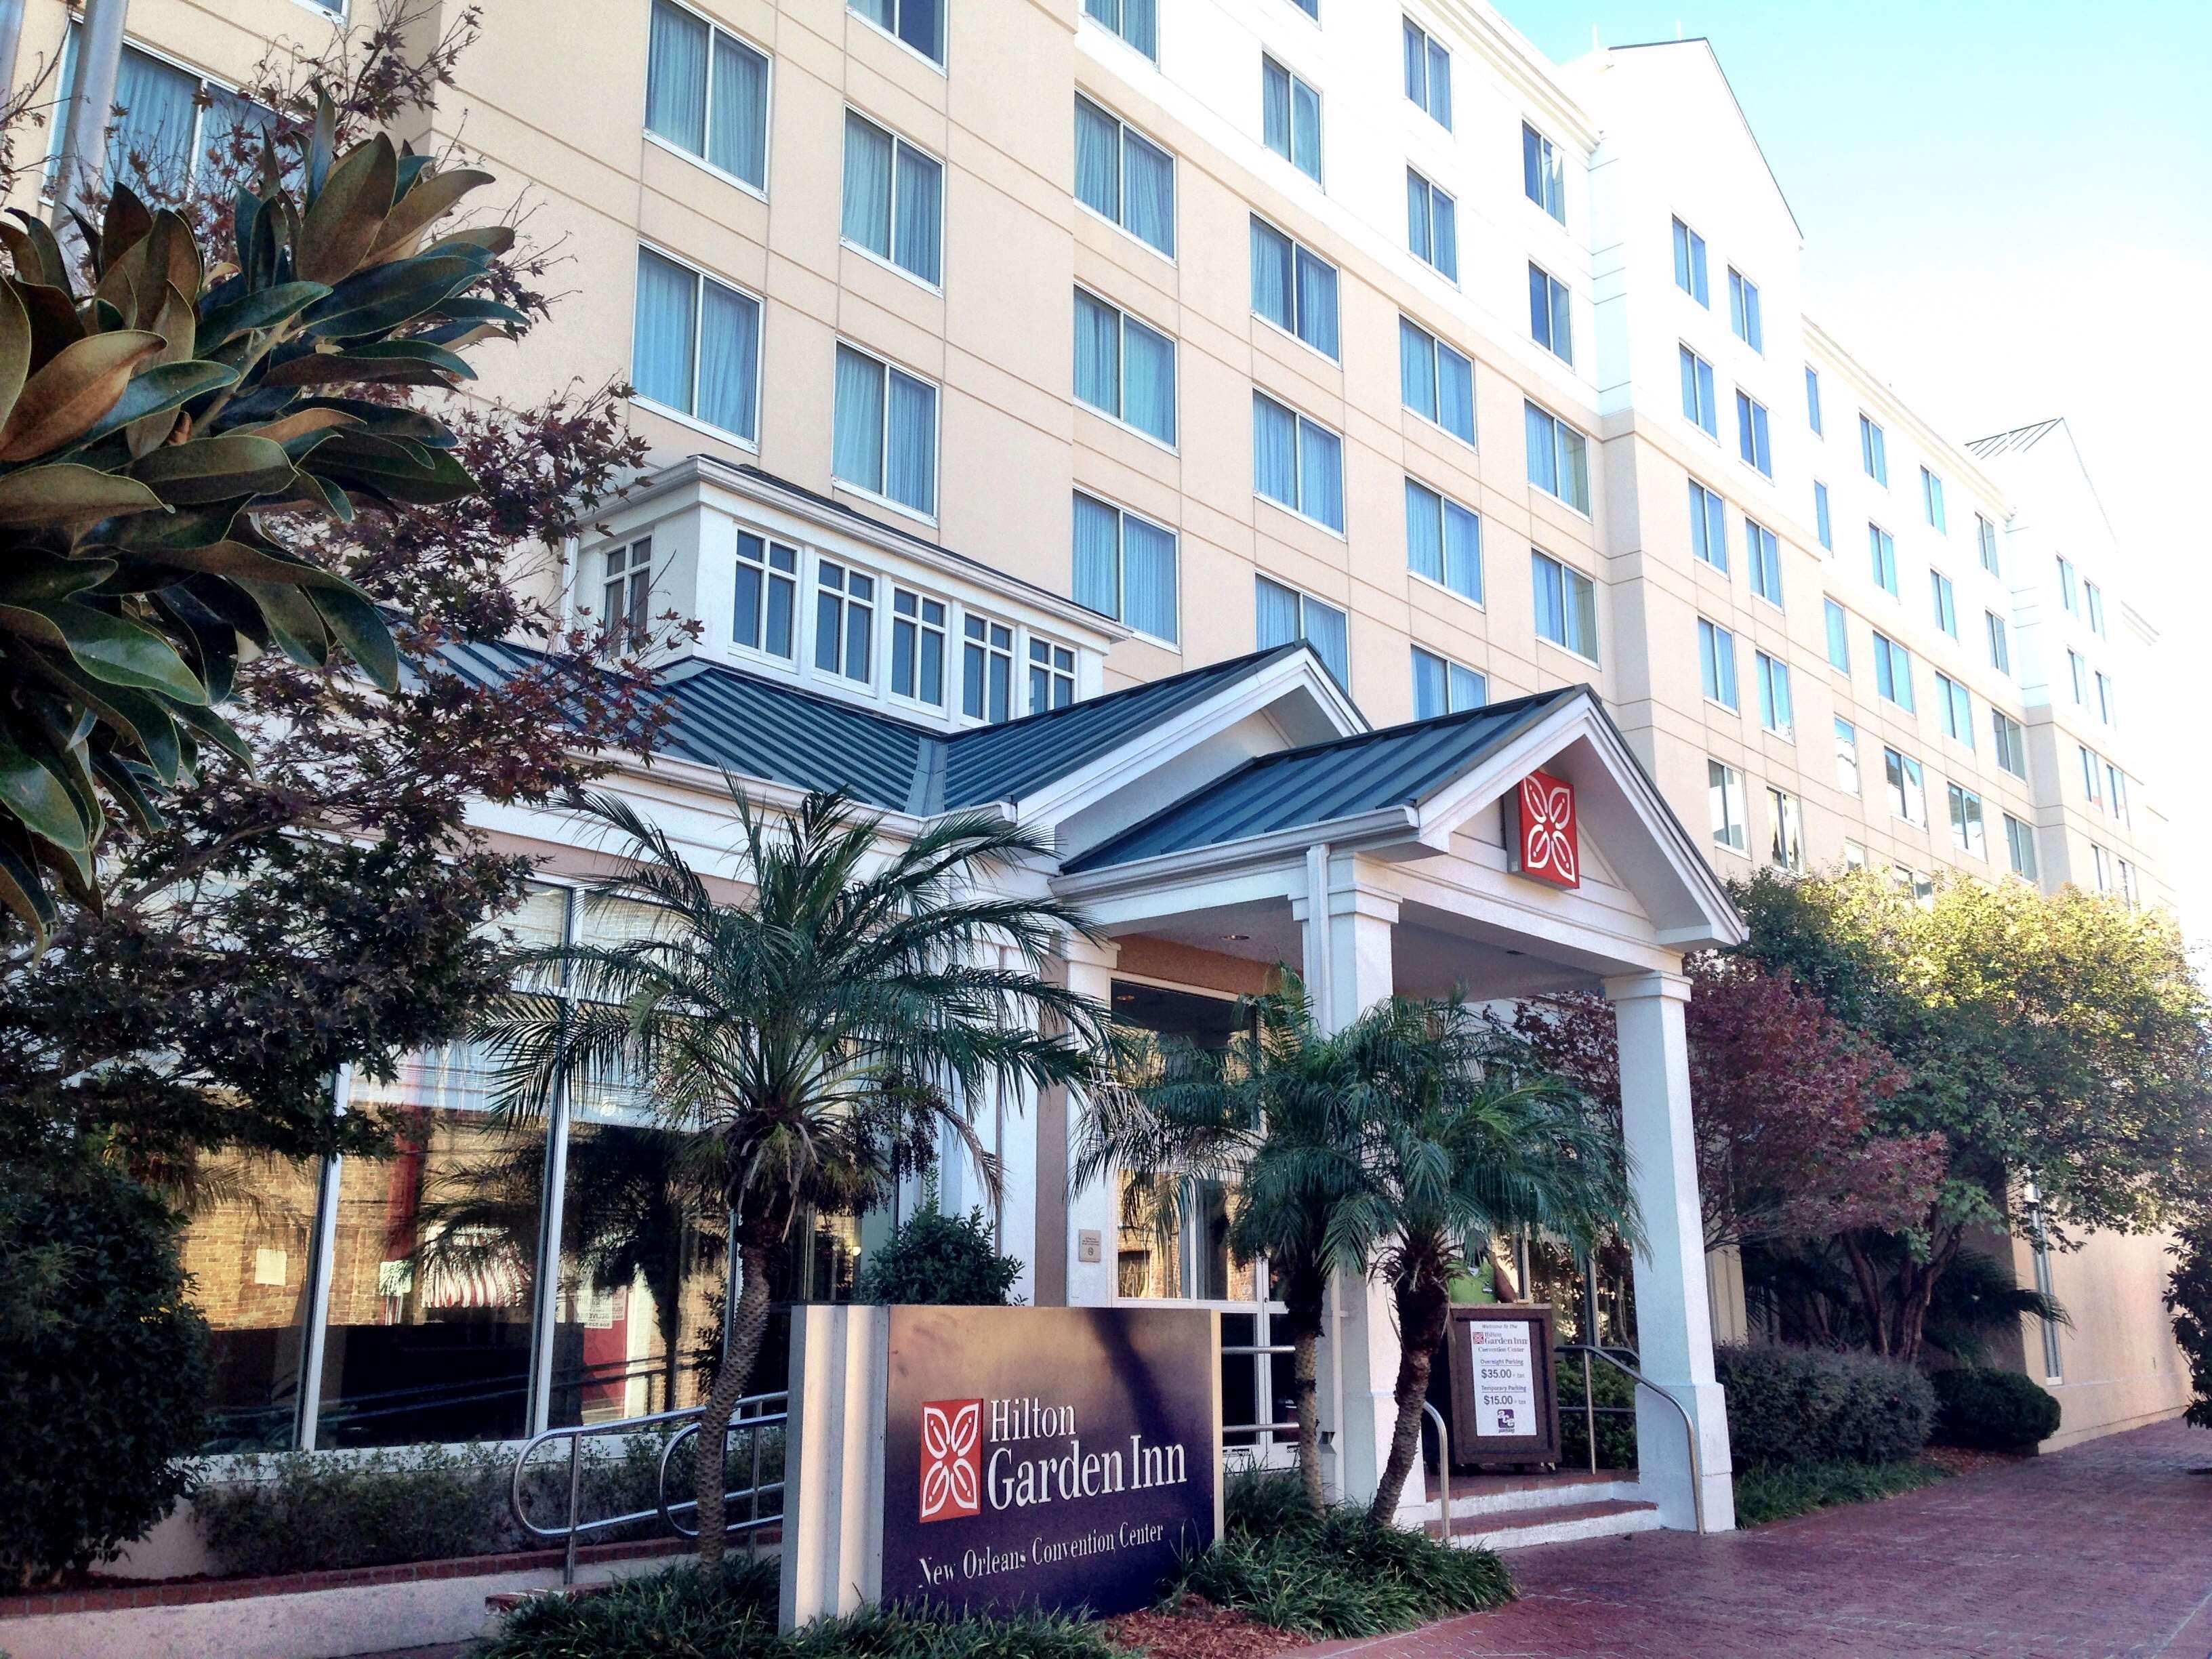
(2007, 214)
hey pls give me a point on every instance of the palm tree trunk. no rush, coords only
(1422, 1316)
(748, 1325)
(1305, 1374)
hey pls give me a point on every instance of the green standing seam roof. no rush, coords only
(1323, 782)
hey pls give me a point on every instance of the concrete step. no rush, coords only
(1495, 1494)
(1552, 1524)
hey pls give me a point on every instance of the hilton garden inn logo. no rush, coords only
(951, 1459)
(958, 1480)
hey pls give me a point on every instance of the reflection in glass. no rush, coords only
(246, 1244)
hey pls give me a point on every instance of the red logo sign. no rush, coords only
(951, 1459)
(1546, 845)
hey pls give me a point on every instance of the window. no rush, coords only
(1847, 757)
(1558, 458)
(1931, 501)
(1908, 794)
(2128, 889)
(1311, 8)
(1297, 464)
(1435, 381)
(1883, 551)
(1786, 829)
(2101, 862)
(1708, 527)
(1293, 288)
(165, 140)
(885, 441)
(1855, 856)
(2091, 785)
(1690, 262)
(1543, 179)
(766, 596)
(1124, 568)
(1893, 671)
(2095, 596)
(2116, 791)
(1839, 638)
(844, 620)
(2020, 848)
(1051, 676)
(1763, 554)
(1432, 224)
(1724, 786)
(1874, 451)
(2077, 673)
(2067, 596)
(626, 597)
(1137, 21)
(2009, 742)
(1122, 175)
(2000, 649)
(706, 91)
(1443, 541)
(1428, 74)
(1820, 525)
(1751, 433)
(1775, 712)
(986, 669)
(1813, 399)
(1551, 316)
(1955, 710)
(918, 647)
(2105, 707)
(894, 200)
(920, 23)
(1442, 687)
(1743, 311)
(1285, 614)
(695, 348)
(1566, 605)
(1985, 543)
(1698, 403)
(1290, 117)
(1125, 370)
(1966, 820)
(1717, 663)
(1945, 602)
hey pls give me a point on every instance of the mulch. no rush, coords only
(1962, 1460)
(1196, 1629)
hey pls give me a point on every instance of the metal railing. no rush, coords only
(1443, 1469)
(754, 1414)
(1590, 1409)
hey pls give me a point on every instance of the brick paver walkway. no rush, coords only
(2100, 1551)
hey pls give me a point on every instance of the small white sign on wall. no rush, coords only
(1504, 1377)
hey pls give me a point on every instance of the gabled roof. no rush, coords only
(1323, 782)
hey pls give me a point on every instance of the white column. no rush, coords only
(1092, 1215)
(1674, 1319)
(1008, 1118)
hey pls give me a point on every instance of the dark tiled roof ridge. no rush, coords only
(1251, 659)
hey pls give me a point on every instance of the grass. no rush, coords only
(1778, 1492)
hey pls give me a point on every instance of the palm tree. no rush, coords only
(1279, 1119)
(1467, 1146)
(811, 1037)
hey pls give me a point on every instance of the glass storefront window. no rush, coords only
(246, 1245)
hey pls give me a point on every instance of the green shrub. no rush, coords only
(1993, 1410)
(1616, 1432)
(1777, 1491)
(1788, 1405)
(103, 1369)
(950, 1260)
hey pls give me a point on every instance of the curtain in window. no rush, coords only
(1455, 394)
(1274, 451)
(1430, 698)
(1417, 217)
(1149, 172)
(729, 360)
(1097, 354)
(921, 25)
(661, 347)
(1416, 369)
(1325, 632)
(1148, 374)
(883, 14)
(1439, 103)
(1097, 528)
(1468, 688)
(1316, 303)
(1551, 609)
(1574, 470)
(1271, 276)
(920, 213)
(676, 78)
(1543, 462)
(225, 120)
(1462, 550)
(1140, 26)
(1425, 541)
(738, 140)
(1321, 475)
(911, 466)
(153, 141)
(1098, 159)
(1277, 614)
(1108, 12)
(1305, 130)
(1275, 105)
(1148, 578)
(1446, 215)
(1416, 66)
(867, 185)
(858, 450)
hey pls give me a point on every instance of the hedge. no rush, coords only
(1992, 1410)
(1789, 1405)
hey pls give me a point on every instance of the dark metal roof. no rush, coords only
(1322, 783)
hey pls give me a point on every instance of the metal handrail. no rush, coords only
(1443, 1466)
(1689, 1427)
(575, 1434)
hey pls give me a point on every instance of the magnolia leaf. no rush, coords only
(38, 253)
(35, 792)
(54, 322)
(443, 480)
(345, 216)
(380, 300)
(123, 783)
(152, 533)
(204, 470)
(111, 647)
(293, 622)
(22, 891)
(64, 399)
(359, 627)
(417, 210)
(14, 347)
(322, 145)
(299, 422)
(156, 392)
(68, 494)
(264, 308)
(32, 577)
(140, 716)
(127, 223)
(217, 731)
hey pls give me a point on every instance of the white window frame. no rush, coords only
(1568, 573)
(1691, 264)
(1121, 611)
(1559, 424)
(1754, 430)
(702, 276)
(1745, 321)
(769, 574)
(936, 438)
(1290, 157)
(1298, 313)
(1298, 465)
(920, 624)
(1123, 128)
(1124, 317)
(768, 106)
(816, 589)
(1698, 381)
(1731, 811)
(889, 261)
(1717, 666)
(1448, 663)
(1874, 449)
(891, 34)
